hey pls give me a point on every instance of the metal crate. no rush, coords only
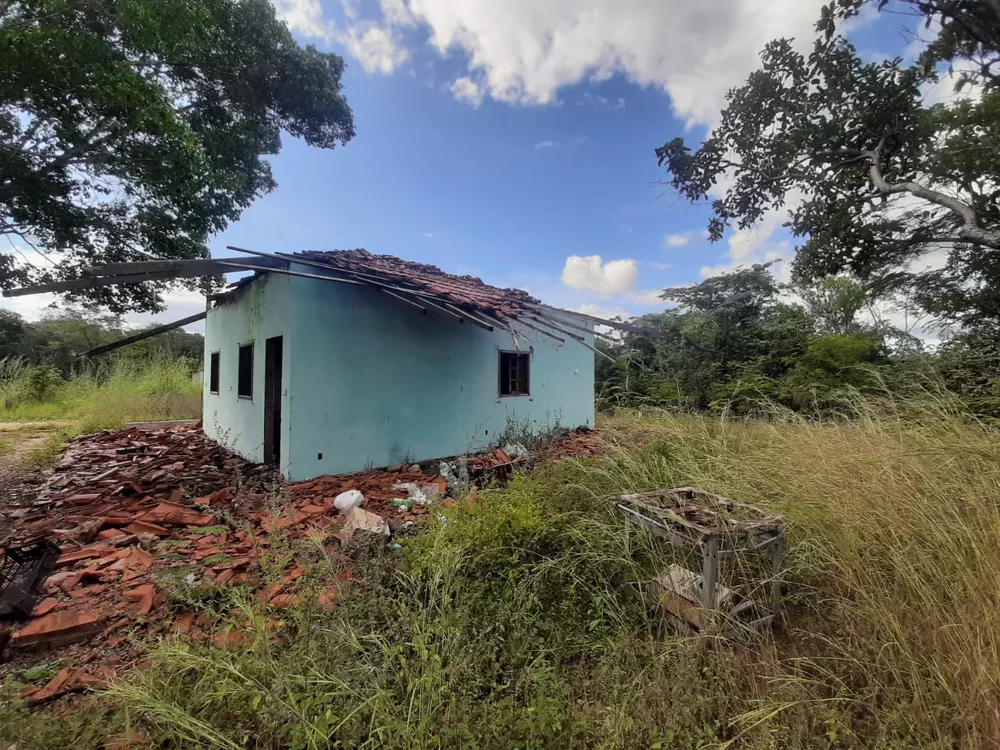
(720, 528)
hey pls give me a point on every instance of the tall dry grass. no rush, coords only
(894, 521)
(521, 621)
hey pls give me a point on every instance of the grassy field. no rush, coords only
(524, 620)
(117, 391)
(36, 401)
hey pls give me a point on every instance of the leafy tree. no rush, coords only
(837, 360)
(729, 308)
(834, 302)
(135, 127)
(969, 363)
(13, 329)
(875, 176)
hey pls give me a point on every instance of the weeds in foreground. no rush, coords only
(524, 620)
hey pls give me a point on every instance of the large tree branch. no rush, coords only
(969, 231)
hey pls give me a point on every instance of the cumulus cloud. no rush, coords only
(375, 47)
(467, 90)
(647, 298)
(591, 274)
(677, 240)
(525, 51)
(306, 17)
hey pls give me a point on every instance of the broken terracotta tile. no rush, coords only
(141, 558)
(44, 607)
(55, 687)
(143, 527)
(57, 628)
(184, 623)
(144, 595)
(231, 639)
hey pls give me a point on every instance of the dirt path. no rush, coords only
(18, 439)
(19, 480)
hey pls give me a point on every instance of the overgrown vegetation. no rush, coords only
(43, 376)
(742, 342)
(524, 620)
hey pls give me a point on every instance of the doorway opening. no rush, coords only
(272, 400)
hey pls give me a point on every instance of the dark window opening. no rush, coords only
(244, 375)
(213, 373)
(514, 374)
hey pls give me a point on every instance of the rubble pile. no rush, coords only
(137, 511)
(106, 480)
(579, 443)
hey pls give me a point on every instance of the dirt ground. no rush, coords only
(19, 479)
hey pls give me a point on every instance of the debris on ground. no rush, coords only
(359, 519)
(718, 528)
(498, 465)
(24, 570)
(129, 514)
(578, 443)
(347, 500)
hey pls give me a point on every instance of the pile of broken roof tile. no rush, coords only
(124, 510)
(579, 443)
(133, 510)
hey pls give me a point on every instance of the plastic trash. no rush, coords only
(347, 500)
(419, 495)
(515, 450)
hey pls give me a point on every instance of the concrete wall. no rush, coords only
(262, 311)
(370, 381)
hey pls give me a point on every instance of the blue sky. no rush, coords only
(513, 140)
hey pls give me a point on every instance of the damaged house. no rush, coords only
(331, 362)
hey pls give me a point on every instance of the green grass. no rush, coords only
(112, 393)
(525, 620)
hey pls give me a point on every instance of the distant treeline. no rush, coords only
(743, 342)
(60, 337)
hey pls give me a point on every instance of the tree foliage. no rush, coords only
(131, 128)
(874, 174)
(59, 338)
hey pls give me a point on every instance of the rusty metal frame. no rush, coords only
(717, 526)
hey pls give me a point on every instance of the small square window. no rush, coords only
(213, 373)
(514, 371)
(244, 375)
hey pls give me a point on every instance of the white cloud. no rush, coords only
(396, 13)
(662, 266)
(591, 274)
(546, 144)
(597, 100)
(525, 51)
(428, 235)
(376, 48)
(306, 17)
(467, 90)
(677, 240)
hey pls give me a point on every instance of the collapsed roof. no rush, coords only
(419, 285)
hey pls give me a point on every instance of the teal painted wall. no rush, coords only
(258, 314)
(371, 381)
